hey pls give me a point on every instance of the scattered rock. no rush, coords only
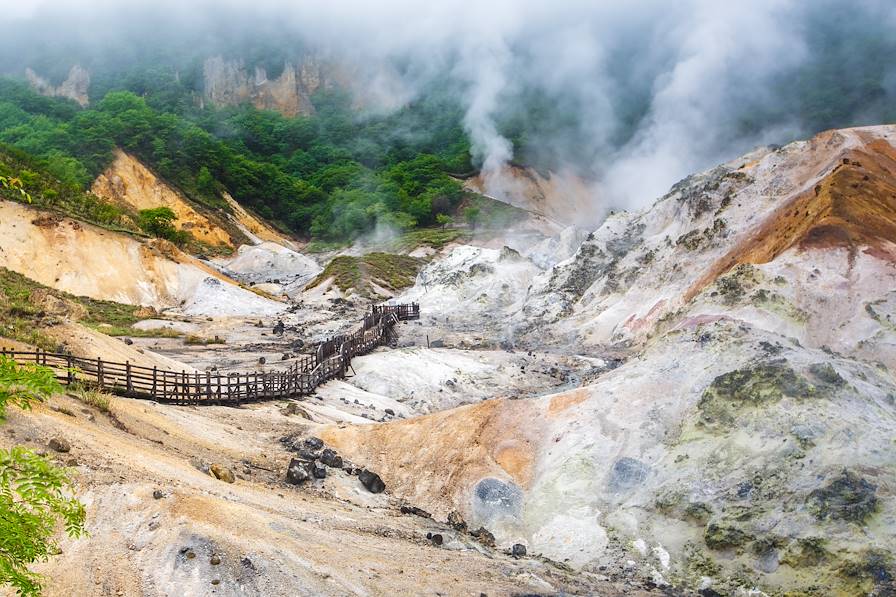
(390, 412)
(215, 560)
(128, 341)
(318, 471)
(826, 374)
(719, 535)
(330, 458)
(222, 473)
(484, 536)
(518, 550)
(371, 481)
(262, 360)
(59, 444)
(456, 521)
(415, 511)
(158, 494)
(848, 497)
(294, 409)
(298, 471)
(436, 538)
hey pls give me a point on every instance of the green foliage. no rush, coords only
(51, 183)
(34, 494)
(22, 314)
(335, 175)
(14, 185)
(471, 214)
(159, 222)
(357, 273)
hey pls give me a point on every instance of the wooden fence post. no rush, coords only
(99, 373)
(127, 377)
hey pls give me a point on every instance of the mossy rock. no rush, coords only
(827, 375)
(720, 535)
(871, 573)
(848, 497)
(806, 552)
(762, 383)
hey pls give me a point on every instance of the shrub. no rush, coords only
(33, 491)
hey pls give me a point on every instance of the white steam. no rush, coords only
(675, 73)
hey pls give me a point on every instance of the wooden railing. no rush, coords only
(329, 359)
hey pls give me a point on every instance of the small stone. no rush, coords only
(216, 581)
(215, 560)
(456, 521)
(59, 444)
(222, 473)
(415, 511)
(330, 458)
(190, 554)
(390, 412)
(298, 471)
(371, 481)
(436, 539)
(158, 494)
(128, 341)
(484, 536)
(518, 550)
(319, 471)
(261, 360)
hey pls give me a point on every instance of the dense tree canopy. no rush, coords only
(334, 175)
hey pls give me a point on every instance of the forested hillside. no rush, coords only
(615, 115)
(331, 175)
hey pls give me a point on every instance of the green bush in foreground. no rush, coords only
(34, 493)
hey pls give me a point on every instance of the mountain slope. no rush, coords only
(750, 312)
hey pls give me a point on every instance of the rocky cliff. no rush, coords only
(129, 183)
(74, 87)
(231, 82)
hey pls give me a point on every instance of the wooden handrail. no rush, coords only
(329, 359)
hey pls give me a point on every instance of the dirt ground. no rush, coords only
(327, 537)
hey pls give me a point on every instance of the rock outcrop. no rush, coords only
(127, 182)
(754, 308)
(75, 86)
(231, 82)
(86, 260)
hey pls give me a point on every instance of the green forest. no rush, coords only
(330, 176)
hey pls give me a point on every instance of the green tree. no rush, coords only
(158, 222)
(443, 220)
(14, 184)
(472, 215)
(205, 183)
(34, 493)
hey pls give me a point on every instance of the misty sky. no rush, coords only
(654, 90)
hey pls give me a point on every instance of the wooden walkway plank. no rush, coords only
(329, 359)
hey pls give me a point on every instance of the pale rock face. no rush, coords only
(747, 433)
(75, 87)
(229, 83)
(85, 260)
(129, 183)
(562, 197)
(271, 263)
(474, 286)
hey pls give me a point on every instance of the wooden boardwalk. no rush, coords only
(330, 359)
